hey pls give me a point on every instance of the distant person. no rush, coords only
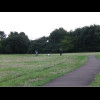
(60, 52)
(36, 52)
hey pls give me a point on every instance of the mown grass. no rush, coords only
(31, 70)
(96, 81)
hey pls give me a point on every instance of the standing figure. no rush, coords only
(36, 52)
(60, 52)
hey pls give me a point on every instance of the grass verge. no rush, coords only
(96, 81)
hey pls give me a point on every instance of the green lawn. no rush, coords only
(31, 70)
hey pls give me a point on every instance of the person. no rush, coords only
(60, 52)
(36, 52)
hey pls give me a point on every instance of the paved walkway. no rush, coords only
(82, 76)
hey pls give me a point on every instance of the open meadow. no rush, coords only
(31, 70)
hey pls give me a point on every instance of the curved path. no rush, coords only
(82, 76)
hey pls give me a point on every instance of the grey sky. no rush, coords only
(38, 24)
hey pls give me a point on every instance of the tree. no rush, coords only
(83, 39)
(2, 35)
(55, 37)
(40, 45)
(87, 38)
(67, 44)
(18, 43)
(2, 41)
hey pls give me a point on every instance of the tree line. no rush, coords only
(85, 39)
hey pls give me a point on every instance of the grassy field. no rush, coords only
(31, 70)
(96, 81)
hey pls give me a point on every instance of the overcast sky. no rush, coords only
(38, 24)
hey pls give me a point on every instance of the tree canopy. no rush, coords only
(85, 39)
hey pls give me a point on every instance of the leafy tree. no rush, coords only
(2, 35)
(18, 43)
(83, 39)
(67, 44)
(57, 35)
(40, 44)
(55, 38)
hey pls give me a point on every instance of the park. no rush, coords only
(61, 59)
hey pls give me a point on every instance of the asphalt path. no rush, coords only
(82, 76)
